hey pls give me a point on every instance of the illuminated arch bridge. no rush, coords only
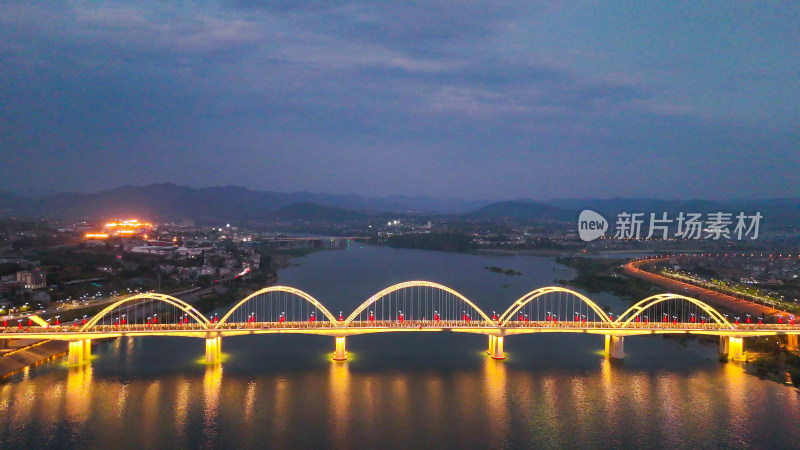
(412, 306)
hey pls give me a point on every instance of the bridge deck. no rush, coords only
(358, 328)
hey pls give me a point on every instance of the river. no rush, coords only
(400, 389)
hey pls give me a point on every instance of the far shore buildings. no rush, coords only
(24, 279)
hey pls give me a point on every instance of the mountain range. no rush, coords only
(168, 201)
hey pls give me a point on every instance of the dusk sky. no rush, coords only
(462, 99)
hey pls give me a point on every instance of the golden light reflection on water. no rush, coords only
(79, 393)
(496, 405)
(637, 400)
(609, 389)
(340, 402)
(369, 408)
(249, 401)
(24, 397)
(212, 381)
(435, 396)
(151, 413)
(494, 377)
(5, 399)
(579, 403)
(183, 392)
(280, 414)
(49, 405)
(738, 411)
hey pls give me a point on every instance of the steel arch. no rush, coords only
(305, 296)
(634, 310)
(176, 302)
(533, 295)
(416, 283)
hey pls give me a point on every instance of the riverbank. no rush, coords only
(30, 354)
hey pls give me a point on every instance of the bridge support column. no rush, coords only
(213, 350)
(791, 343)
(496, 347)
(615, 346)
(340, 353)
(79, 351)
(732, 346)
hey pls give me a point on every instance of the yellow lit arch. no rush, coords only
(625, 318)
(288, 289)
(176, 302)
(533, 295)
(408, 284)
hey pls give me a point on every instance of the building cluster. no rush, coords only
(747, 268)
(32, 279)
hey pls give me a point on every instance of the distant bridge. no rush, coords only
(412, 306)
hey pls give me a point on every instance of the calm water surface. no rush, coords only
(420, 390)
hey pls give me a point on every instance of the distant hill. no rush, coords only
(312, 212)
(168, 201)
(220, 204)
(526, 211)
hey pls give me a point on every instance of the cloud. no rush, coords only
(313, 87)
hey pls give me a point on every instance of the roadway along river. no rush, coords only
(418, 390)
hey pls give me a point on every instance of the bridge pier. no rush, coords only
(496, 347)
(340, 353)
(213, 350)
(615, 346)
(732, 346)
(791, 343)
(79, 351)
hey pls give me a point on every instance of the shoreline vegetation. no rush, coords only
(772, 360)
(496, 269)
(605, 275)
